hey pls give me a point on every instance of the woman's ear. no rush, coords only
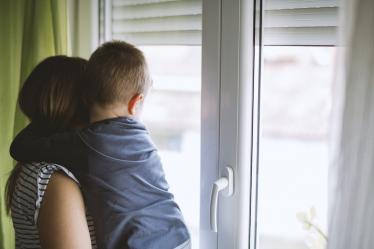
(134, 102)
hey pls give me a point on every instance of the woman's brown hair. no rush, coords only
(51, 96)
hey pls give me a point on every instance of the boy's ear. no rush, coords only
(134, 101)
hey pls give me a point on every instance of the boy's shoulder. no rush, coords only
(118, 138)
(115, 126)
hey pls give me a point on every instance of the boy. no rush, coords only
(114, 158)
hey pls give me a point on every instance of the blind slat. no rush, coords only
(175, 23)
(164, 9)
(158, 38)
(117, 3)
(299, 4)
(313, 17)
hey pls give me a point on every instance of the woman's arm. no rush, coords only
(31, 146)
(62, 220)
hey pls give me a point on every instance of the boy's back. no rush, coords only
(125, 184)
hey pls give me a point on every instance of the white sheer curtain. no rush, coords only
(352, 173)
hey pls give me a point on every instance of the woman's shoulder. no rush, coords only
(43, 171)
(31, 191)
(31, 186)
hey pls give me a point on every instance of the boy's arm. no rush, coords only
(31, 146)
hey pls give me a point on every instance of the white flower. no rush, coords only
(316, 238)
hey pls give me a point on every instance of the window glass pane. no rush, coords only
(296, 91)
(172, 115)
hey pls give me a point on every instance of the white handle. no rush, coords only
(225, 182)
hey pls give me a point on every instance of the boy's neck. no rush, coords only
(98, 112)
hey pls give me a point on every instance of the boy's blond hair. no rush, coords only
(116, 71)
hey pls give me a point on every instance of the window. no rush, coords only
(296, 94)
(295, 107)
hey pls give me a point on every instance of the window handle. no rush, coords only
(226, 182)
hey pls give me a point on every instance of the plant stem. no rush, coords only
(317, 229)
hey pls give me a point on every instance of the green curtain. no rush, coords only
(30, 30)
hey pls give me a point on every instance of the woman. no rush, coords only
(44, 199)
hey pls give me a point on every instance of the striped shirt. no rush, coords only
(27, 197)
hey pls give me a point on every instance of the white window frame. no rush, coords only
(230, 92)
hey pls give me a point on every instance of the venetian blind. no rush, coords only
(179, 22)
